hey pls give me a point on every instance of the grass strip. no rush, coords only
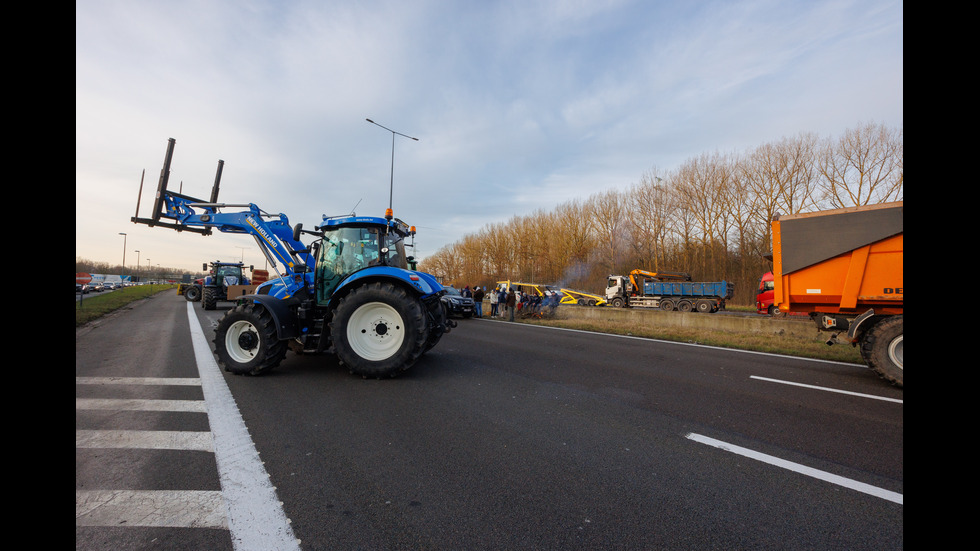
(94, 306)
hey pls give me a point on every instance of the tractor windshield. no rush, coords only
(347, 249)
(228, 275)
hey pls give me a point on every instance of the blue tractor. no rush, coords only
(352, 291)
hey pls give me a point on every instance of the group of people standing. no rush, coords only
(506, 302)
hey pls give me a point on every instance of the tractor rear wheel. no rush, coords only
(379, 330)
(245, 341)
(209, 298)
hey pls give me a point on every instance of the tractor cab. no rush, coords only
(351, 244)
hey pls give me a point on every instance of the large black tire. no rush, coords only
(379, 330)
(685, 306)
(209, 299)
(883, 348)
(705, 306)
(193, 293)
(245, 341)
(437, 318)
(618, 303)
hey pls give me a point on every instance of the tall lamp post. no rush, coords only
(124, 251)
(391, 184)
(137, 266)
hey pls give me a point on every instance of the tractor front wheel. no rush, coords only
(245, 341)
(379, 330)
(193, 293)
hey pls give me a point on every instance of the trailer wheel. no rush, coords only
(378, 330)
(883, 346)
(245, 341)
(193, 293)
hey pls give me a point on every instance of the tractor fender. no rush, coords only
(287, 326)
(421, 283)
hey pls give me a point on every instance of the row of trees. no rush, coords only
(709, 217)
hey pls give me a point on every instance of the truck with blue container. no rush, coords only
(350, 291)
(667, 291)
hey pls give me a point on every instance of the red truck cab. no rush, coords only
(764, 296)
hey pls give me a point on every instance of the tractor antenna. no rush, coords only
(391, 188)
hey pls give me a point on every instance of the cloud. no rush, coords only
(516, 105)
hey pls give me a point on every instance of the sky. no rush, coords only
(517, 105)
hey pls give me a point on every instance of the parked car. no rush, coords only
(456, 303)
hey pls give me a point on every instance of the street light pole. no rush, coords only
(137, 266)
(124, 251)
(391, 184)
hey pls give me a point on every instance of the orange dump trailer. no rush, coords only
(844, 268)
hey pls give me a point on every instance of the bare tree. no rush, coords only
(700, 188)
(781, 177)
(572, 240)
(864, 166)
(607, 213)
(649, 206)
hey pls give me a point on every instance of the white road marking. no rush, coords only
(802, 469)
(175, 381)
(828, 389)
(153, 508)
(247, 504)
(126, 404)
(255, 515)
(145, 439)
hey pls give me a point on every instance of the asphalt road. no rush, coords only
(504, 436)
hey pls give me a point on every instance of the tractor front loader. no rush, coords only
(352, 291)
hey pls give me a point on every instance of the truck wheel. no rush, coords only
(378, 330)
(667, 305)
(193, 293)
(883, 347)
(209, 299)
(618, 303)
(245, 341)
(685, 306)
(705, 307)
